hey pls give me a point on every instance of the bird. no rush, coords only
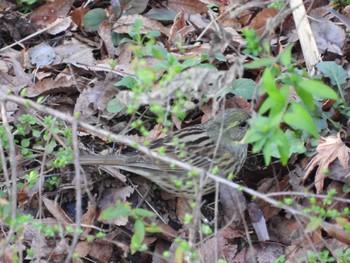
(216, 143)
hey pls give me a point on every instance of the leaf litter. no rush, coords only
(71, 64)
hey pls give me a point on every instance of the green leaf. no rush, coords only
(268, 82)
(333, 71)
(306, 97)
(114, 212)
(25, 142)
(143, 212)
(315, 222)
(153, 33)
(153, 229)
(242, 87)
(161, 14)
(51, 146)
(132, 7)
(318, 89)
(296, 145)
(267, 153)
(94, 18)
(282, 146)
(159, 52)
(127, 81)
(286, 57)
(114, 106)
(301, 119)
(260, 63)
(138, 236)
(36, 133)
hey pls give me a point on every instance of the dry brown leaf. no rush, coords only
(181, 209)
(125, 54)
(42, 55)
(110, 196)
(337, 230)
(96, 98)
(269, 186)
(189, 6)
(57, 212)
(7, 5)
(74, 52)
(15, 81)
(49, 12)
(225, 247)
(179, 29)
(259, 21)
(225, 19)
(327, 34)
(101, 252)
(154, 134)
(39, 244)
(62, 84)
(89, 218)
(77, 15)
(166, 232)
(124, 23)
(62, 25)
(286, 231)
(329, 149)
(261, 252)
(233, 204)
(83, 248)
(60, 251)
(220, 244)
(105, 33)
(7, 254)
(159, 248)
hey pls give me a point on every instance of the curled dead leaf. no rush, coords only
(331, 149)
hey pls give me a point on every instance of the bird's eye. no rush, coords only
(242, 124)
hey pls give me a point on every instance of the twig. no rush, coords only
(13, 167)
(77, 179)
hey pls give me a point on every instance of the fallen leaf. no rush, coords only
(110, 196)
(329, 150)
(49, 12)
(259, 21)
(57, 212)
(101, 252)
(89, 218)
(328, 35)
(61, 84)
(124, 23)
(179, 29)
(189, 6)
(77, 15)
(105, 33)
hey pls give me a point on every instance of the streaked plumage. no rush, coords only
(201, 145)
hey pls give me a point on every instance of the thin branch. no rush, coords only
(78, 193)
(13, 167)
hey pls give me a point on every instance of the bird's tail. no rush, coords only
(102, 160)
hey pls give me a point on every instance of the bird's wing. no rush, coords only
(190, 145)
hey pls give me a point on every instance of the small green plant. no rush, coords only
(342, 256)
(253, 46)
(144, 47)
(36, 136)
(280, 81)
(140, 225)
(323, 256)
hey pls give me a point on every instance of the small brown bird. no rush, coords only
(216, 143)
